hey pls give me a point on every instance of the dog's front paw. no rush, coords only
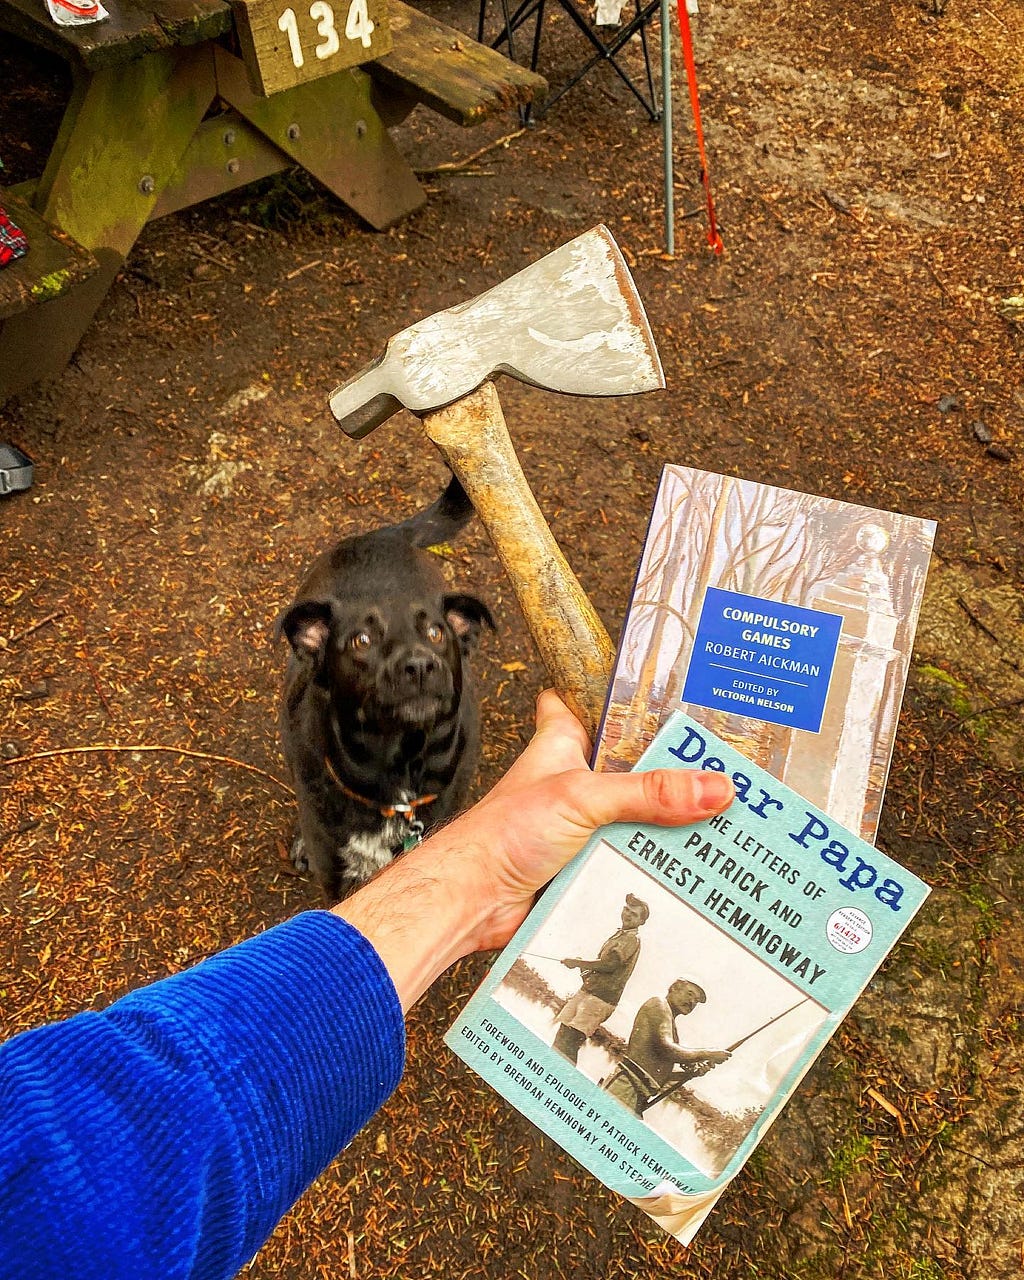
(298, 855)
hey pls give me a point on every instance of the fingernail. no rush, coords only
(715, 791)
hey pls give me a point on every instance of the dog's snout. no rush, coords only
(421, 668)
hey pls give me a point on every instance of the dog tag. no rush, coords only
(414, 836)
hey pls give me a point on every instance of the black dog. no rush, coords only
(379, 720)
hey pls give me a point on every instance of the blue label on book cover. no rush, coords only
(762, 658)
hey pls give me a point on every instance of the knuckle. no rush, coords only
(661, 791)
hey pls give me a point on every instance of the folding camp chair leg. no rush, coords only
(513, 20)
(609, 53)
(534, 9)
(651, 91)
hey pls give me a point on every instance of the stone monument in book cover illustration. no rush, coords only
(783, 622)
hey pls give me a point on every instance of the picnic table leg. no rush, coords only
(121, 139)
(332, 128)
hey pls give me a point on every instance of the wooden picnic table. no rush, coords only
(176, 101)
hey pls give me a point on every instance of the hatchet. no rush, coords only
(570, 322)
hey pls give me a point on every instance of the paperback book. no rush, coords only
(673, 985)
(670, 989)
(783, 622)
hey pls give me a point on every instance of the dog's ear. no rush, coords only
(307, 626)
(466, 615)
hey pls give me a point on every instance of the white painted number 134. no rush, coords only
(357, 27)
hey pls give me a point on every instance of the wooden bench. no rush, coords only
(164, 77)
(451, 74)
(53, 265)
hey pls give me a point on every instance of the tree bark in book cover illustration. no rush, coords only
(867, 566)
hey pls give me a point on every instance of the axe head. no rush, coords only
(571, 322)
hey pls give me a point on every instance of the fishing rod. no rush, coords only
(685, 1079)
(765, 1025)
(532, 955)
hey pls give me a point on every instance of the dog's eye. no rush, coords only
(435, 634)
(361, 640)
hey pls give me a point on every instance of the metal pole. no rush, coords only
(666, 124)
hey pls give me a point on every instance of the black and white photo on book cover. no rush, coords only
(686, 975)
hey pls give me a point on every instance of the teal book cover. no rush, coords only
(673, 985)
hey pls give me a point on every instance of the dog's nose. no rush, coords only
(420, 667)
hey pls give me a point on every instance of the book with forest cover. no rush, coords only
(673, 985)
(783, 622)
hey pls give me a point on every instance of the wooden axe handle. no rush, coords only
(573, 644)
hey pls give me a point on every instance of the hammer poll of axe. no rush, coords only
(571, 322)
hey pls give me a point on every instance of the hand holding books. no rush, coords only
(782, 623)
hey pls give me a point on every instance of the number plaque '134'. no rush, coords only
(285, 44)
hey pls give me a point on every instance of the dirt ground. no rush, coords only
(853, 340)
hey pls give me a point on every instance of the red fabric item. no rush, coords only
(13, 242)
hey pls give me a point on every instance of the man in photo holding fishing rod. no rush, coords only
(654, 1061)
(604, 981)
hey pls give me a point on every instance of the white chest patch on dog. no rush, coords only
(365, 854)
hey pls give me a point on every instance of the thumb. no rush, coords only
(658, 797)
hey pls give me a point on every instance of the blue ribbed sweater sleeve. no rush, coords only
(167, 1135)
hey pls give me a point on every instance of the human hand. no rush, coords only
(469, 886)
(545, 809)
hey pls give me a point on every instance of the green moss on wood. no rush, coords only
(52, 285)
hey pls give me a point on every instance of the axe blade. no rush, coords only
(571, 322)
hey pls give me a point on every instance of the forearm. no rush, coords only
(168, 1134)
(689, 1057)
(415, 915)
